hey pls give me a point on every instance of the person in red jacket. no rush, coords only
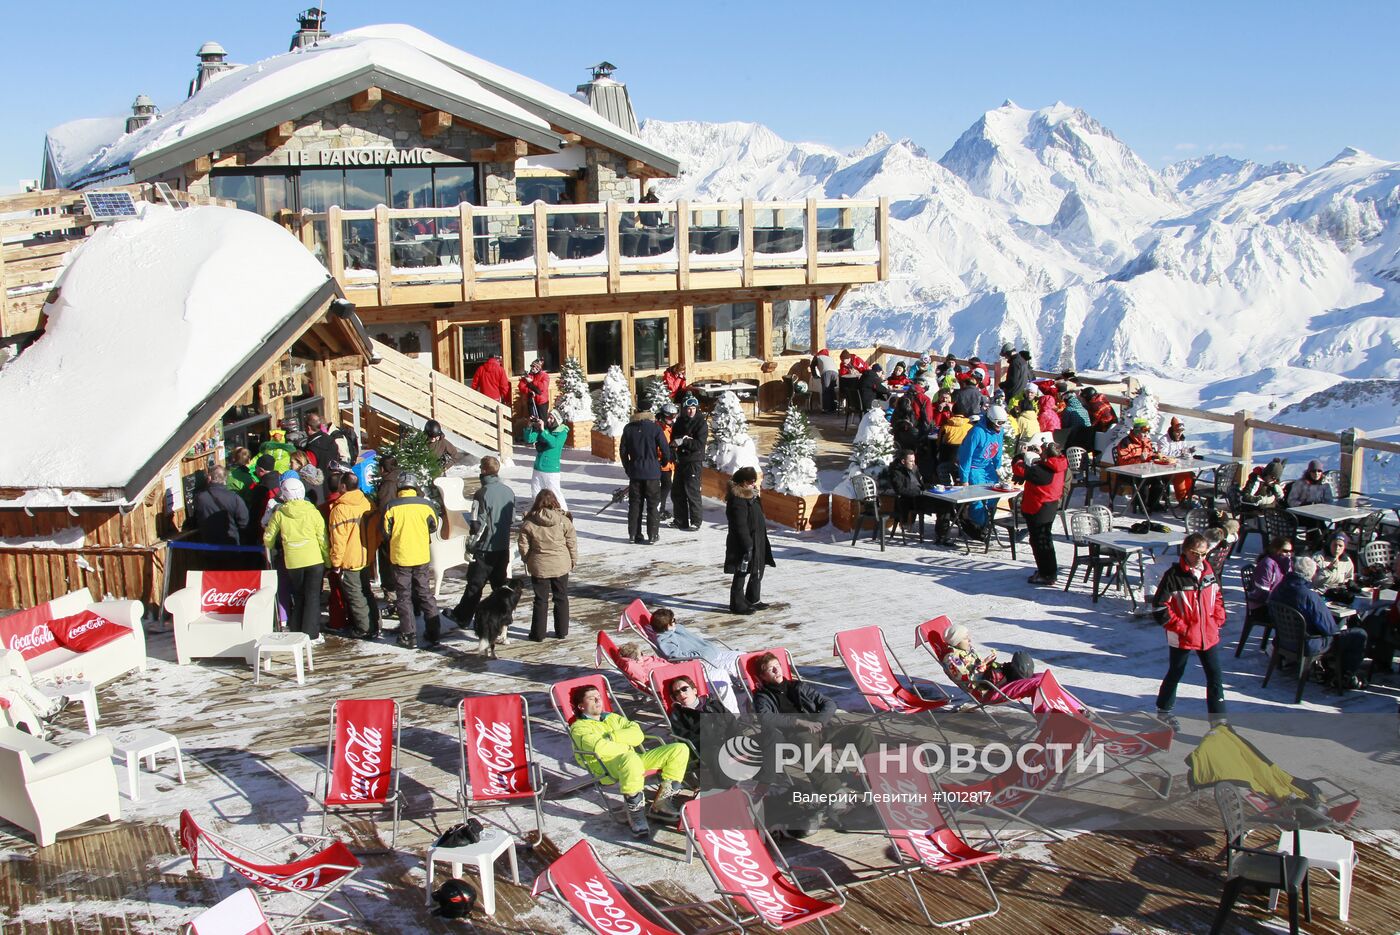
(1190, 605)
(852, 365)
(921, 406)
(674, 378)
(1101, 414)
(491, 380)
(534, 389)
(1043, 473)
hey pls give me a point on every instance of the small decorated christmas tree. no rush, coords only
(656, 394)
(792, 467)
(414, 455)
(575, 404)
(728, 430)
(873, 448)
(616, 403)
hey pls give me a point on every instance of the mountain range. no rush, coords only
(1235, 283)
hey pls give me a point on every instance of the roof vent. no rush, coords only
(312, 21)
(608, 97)
(212, 64)
(143, 111)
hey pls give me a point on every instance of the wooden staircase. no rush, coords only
(405, 384)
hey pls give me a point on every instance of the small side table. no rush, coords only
(144, 744)
(1327, 851)
(484, 853)
(74, 690)
(298, 644)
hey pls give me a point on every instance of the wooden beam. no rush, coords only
(434, 122)
(511, 150)
(571, 137)
(200, 167)
(383, 253)
(365, 100)
(280, 134)
(541, 251)
(487, 154)
(636, 168)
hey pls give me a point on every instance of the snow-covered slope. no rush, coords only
(1044, 228)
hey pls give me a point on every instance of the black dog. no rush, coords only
(494, 613)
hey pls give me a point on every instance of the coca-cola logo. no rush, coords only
(871, 676)
(88, 626)
(34, 642)
(595, 901)
(732, 858)
(364, 754)
(226, 601)
(495, 751)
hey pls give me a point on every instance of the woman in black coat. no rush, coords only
(746, 551)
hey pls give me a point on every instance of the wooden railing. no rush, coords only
(431, 395)
(1351, 442)
(386, 256)
(44, 228)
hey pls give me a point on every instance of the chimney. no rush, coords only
(608, 97)
(212, 64)
(143, 111)
(312, 22)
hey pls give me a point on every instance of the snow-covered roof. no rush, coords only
(561, 109)
(156, 320)
(70, 146)
(257, 97)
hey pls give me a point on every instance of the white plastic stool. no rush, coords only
(144, 744)
(295, 643)
(484, 853)
(1327, 851)
(74, 690)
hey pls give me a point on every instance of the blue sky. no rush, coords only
(1266, 81)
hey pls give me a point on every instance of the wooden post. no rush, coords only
(1353, 461)
(503, 431)
(541, 250)
(612, 220)
(308, 231)
(4, 302)
(809, 239)
(746, 241)
(682, 246)
(685, 347)
(335, 246)
(882, 235)
(383, 253)
(325, 385)
(1242, 446)
(467, 235)
(765, 329)
(815, 327)
(433, 376)
(442, 346)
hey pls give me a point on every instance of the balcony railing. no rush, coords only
(386, 256)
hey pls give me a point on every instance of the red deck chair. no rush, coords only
(747, 868)
(362, 760)
(314, 877)
(497, 763)
(637, 618)
(607, 905)
(922, 835)
(748, 671)
(239, 914)
(661, 678)
(868, 658)
(607, 649)
(559, 697)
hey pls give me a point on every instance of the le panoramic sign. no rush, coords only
(367, 156)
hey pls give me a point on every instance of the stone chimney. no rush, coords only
(143, 111)
(608, 97)
(312, 22)
(212, 64)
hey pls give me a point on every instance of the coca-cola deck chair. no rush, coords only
(497, 763)
(362, 760)
(748, 669)
(606, 904)
(239, 914)
(607, 649)
(867, 657)
(924, 837)
(559, 697)
(748, 870)
(311, 875)
(637, 618)
(660, 690)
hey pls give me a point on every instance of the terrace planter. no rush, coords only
(801, 513)
(714, 484)
(580, 436)
(605, 446)
(844, 510)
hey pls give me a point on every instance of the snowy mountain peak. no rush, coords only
(1350, 155)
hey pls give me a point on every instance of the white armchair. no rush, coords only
(46, 789)
(445, 554)
(202, 633)
(460, 510)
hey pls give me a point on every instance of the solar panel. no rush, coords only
(168, 196)
(109, 206)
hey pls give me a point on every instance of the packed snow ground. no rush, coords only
(821, 585)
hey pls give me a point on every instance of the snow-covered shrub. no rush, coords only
(616, 403)
(575, 403)
(873, 447)
(792, 467)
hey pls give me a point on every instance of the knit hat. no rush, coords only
(267, 463)
(1140, 422)
(1275, 469)
(955, 634)
(292, 488)
(877, 368)
(1314, 465)
(1339, 536)
(925, 359)
(1008, 348)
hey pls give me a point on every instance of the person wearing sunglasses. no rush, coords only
(1311, 488)
(1269, 569)
(701, 721)
(1190, 605)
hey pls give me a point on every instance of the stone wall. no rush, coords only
(607, 177)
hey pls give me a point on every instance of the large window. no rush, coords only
(651, 344)
(531, 337)
(602, 344)
(240, 189)
(726, 332)
(411, 188)
(552, 190)
(321, 188)
(792, 327)
(479, 342)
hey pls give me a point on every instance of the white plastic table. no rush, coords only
(144, 744)
(1147, 470)
(1330, 852)
(295, 643)
(483, 854)
(1127, 544)
(963, 497)
(1329, 514)
(74, 690)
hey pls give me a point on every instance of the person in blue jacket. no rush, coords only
(979, 456)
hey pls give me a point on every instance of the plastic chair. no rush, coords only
(1081, 467)
(1226, 482)
(239, 914)
(868, 505)
(1197, 520)
(444, 555)
(1247, 582)
(1377, 557)
(1290, 641)
(1333, 480)
(1065, 496)
(1083, 525)
(1260, 866)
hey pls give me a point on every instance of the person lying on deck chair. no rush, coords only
(974, 672)
(679, 643)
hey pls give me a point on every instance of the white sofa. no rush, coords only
(200, 634)
(122, 655)
(46, 789)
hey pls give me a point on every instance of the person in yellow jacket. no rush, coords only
(410, 521)
(613, 743)
(297, 530)
(349, 532)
